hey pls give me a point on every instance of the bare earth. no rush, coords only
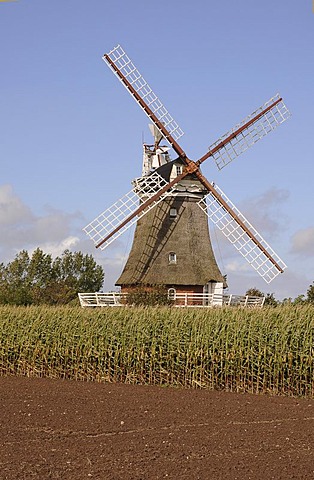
(54, 429)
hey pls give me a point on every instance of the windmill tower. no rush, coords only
(171, 245)
(172, 201)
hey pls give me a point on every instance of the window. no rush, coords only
(179, 169)
(172, 257)
(172, 293)
(173, 212)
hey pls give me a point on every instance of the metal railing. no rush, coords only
(118, 299)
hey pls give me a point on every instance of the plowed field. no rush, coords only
(54, 429)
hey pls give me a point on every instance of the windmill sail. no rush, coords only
(253, 248)
(137, 86)
(254, 127)
(115, 220)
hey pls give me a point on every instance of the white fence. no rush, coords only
(118, 299)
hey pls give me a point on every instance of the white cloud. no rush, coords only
(289, 284)
(12, 209)
(21, 229)
(55, 231)
(57, 248)
(303, 242)
(238, 266)
(264, 211)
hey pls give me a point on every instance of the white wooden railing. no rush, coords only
(118, 299)
(212, 299)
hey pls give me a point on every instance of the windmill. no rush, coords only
(172, 200)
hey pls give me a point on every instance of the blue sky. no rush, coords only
(71, 136)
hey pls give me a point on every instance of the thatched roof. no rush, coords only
(157, 235)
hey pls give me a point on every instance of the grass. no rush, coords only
(245, 350)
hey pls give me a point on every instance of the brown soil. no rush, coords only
(54, 429)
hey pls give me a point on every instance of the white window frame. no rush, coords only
(172, 258)
(179, 169)
(173, 213)
(172, 293)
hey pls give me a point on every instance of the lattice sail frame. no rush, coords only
(136, 80)
(270, 120)
(239, 238)
(112, 217)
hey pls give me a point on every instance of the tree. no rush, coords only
(287, 301)
(270, 300)
(14, 282)
(310, 293)
(254, 292)
(78, 271)
(269, 297)
(40, 275)
(299, 300)
(39, 279)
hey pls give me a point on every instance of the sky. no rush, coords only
(71, 135)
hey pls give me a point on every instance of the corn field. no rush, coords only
(245, 350)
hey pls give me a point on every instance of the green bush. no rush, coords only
(152, 296)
